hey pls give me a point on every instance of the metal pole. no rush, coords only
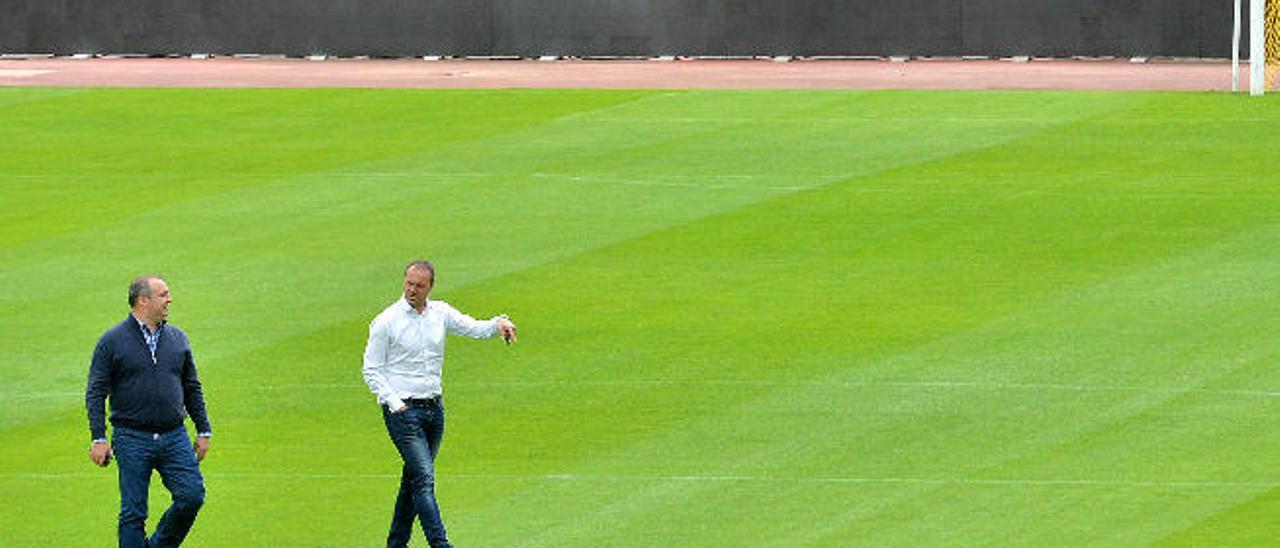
(1235, 51)
(1257, 47)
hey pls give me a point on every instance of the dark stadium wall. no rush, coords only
(1050, 28)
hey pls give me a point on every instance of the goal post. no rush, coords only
(1264, 46)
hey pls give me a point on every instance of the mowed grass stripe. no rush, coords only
(184, 211)
(189, 138)
(1156, 253)
(243, 330)
(202, 220)
(744, 290)
(317, 216)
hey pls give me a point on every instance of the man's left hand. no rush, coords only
(202, 447)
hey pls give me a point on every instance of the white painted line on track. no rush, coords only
(23, 73)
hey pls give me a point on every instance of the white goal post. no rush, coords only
(1261, 14)
(1257, 47)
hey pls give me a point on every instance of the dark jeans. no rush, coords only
(417, 432)
(137, 453)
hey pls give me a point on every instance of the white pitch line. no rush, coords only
(815, 122)
(927, 481)
(701, 182)
(422, 175)
(1069, 387)
(728, 382)
(1012, 482)
(40, 396)
(698, 182)
(700, 186)
(801, 384)
(428, 174)
(671, 176)
(881, 384)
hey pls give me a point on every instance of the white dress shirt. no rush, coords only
(405, 353)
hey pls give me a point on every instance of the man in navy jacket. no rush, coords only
(144, 366)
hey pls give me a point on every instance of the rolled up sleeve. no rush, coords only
(458, 323)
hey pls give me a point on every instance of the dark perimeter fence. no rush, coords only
(527, 28)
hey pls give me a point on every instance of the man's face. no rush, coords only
(417, 284)
(156, 306)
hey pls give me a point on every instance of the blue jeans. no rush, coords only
(137, 453)
(416, 433)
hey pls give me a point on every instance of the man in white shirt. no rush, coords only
(402, 365)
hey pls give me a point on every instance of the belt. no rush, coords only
(147, 428)
(422, 402)
(154, 434)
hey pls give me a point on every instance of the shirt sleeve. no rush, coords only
(193, 392)
(375, 361)
(97, 389)
(457, 323)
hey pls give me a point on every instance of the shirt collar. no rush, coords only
(408, 308)
(143, 325)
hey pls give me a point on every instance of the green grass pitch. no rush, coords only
(748, 318)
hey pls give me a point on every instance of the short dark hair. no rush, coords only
(140, 287)
(422, 263)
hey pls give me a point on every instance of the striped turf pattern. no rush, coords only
(774, 318)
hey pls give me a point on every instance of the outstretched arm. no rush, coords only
(458, 323)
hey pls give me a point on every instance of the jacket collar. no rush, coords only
(134, 325)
